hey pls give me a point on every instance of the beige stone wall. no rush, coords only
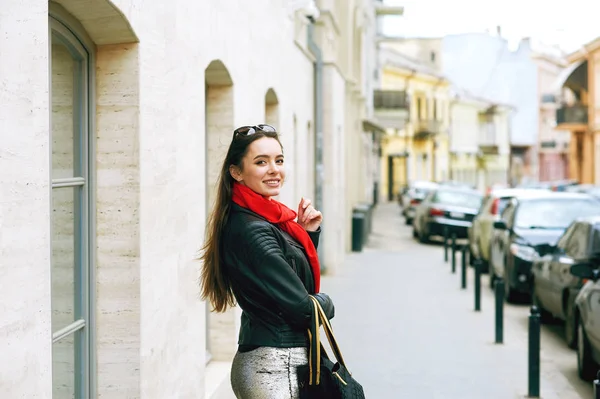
(118, 307)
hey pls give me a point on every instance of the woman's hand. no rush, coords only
(308, 217)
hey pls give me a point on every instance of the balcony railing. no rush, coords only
(548, 99)
(427, 127)
(390, 100)
(574, 114)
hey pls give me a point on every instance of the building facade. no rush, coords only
(494, 72)
(117, 116)
(413, 106)
(553, 144)
(484, 161)
(579, 112)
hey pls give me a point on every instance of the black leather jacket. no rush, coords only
(271, 280)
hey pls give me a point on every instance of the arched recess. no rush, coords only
(221, 334)
(101, 19)
(219, 122)
(272, 108)
(94, 111)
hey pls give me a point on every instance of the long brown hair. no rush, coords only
(214, 281)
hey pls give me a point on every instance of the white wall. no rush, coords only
(151, 166)
(334, 174)
(25, 369)
(465, 128)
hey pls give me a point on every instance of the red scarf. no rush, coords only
(277, 213)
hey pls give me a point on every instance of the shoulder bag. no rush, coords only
(325, 378)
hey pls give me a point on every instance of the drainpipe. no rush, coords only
(318, 116)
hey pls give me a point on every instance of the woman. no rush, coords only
(257, 254)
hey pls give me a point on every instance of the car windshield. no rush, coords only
(458, 198)
(595, 192)
(554, 213)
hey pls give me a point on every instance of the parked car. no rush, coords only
(587, 310)
(562, 185)
(457, 184)
(554, 287)
(531, 224)
(446, 208)
(480, 233)
(415, 194)
(585, 188)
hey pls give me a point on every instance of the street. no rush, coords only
(407, 329)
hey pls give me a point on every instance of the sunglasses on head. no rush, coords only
(250, 130)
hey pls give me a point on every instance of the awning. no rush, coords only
(568, 75)
(371, 126)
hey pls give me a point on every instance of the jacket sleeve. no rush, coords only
(277, 278)
(314, 236)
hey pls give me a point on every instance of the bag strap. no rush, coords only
(316, 347)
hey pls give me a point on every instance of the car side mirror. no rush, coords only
(585, 270)
(500, 225)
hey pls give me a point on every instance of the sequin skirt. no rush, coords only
(267, 373)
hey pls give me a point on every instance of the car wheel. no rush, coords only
(586, 366)
(571, 325)
(415, 234)
(423, 238)
(408, 221)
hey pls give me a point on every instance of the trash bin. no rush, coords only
(358, 230)
(366, 210)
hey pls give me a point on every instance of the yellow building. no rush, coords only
(580, 112)
(413, 105)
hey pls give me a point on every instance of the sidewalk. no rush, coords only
(407, 330)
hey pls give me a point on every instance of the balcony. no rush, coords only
(391, 108)
(574, 115)
(426, 128)
(487, 142)
(385, 9)
(548, 99)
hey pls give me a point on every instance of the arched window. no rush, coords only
(71, 119)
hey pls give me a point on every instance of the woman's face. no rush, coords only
(262, 167)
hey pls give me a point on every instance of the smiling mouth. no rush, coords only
(272, 183)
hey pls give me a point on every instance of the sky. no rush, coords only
(566, 23)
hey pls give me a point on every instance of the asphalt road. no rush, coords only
(407, 329)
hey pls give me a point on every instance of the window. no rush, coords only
(70, 214)
(577, 245)
(458, 198)
(508, 214)
(432, 56)
(564, 239)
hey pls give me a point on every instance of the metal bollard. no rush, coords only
(477, 285)
(453, 253)
(446, 244)
(499, 288)
(463, 268)
(534, 353)
(597, 386)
